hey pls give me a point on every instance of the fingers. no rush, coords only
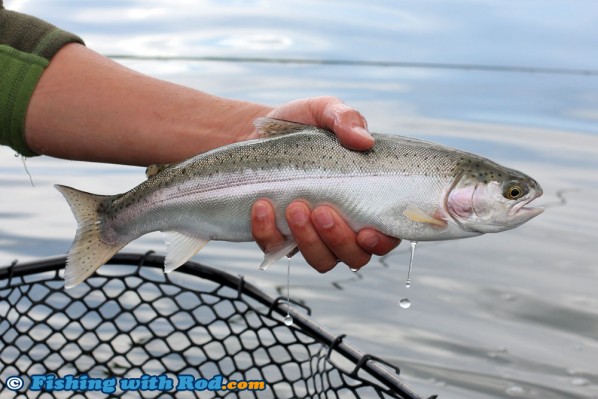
(347, 123)
(329, 113)
(377, 243)
(263, 226)
(339, 237)
(313, 249)
(322, 236)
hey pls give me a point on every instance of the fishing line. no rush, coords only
(23, 159)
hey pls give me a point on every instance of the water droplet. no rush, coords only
(405, 303)
(288, 320)
(579, 382)
(408, 284)
(515, 390)
(572, 371)
(508, 297)
(353, 269)
(499, 351)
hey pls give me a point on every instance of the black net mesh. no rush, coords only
(134, 320)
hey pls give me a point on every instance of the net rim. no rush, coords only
(383, 372)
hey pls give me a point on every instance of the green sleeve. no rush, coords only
(27, 45)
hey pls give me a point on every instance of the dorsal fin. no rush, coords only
(153, 170)
(273, 127)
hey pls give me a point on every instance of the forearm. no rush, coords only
(27, 45)
(87, 107)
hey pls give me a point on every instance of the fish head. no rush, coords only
(492, 198)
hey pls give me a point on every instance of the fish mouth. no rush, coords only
(529, 212)
(520, 209)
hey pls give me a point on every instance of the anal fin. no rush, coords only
(180, 248)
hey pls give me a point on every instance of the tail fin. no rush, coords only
(88, 252)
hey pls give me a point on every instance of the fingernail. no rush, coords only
(260, 210)
(323, 218)
(297, 216)
(369, 241)
(360, 131)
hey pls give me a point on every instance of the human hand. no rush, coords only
(321, 234)
(330, 113)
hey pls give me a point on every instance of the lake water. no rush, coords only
(507, 315)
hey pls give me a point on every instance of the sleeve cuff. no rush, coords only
(27, 44)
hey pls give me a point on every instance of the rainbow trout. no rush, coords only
(403, 187)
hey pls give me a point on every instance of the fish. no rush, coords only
(403, 187)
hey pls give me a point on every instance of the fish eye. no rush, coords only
(513, 192)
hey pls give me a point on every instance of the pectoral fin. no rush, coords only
(181, 248)
(417, 215)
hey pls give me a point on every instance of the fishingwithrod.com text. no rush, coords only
(108, 385)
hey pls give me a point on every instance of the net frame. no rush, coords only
(42, 331)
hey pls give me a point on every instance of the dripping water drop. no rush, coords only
(405, 303)
(353, 269)
(288, 319)
(408, 282)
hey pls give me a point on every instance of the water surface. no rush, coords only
(507, 315)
